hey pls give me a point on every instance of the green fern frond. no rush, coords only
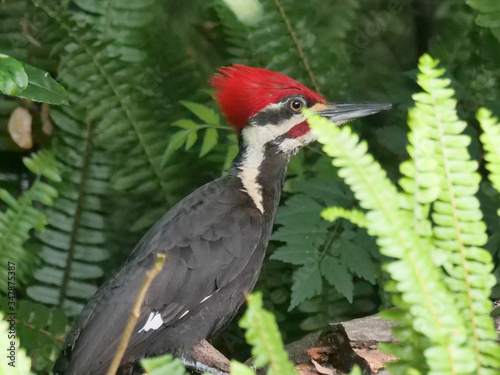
(458, 229)
(263, 334)
(238, 368)
(283, 40)
(421, 181)
(12, 40)
(326, 254)
(74, 243)
(491, 143)
(123, 106)
(417, 279)
(22, 216)
(440, 178)
(124, 23)
(354, 216)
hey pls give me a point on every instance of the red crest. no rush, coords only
(242, 91)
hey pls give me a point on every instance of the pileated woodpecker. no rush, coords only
(215, 239)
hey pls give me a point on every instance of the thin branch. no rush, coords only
(297, 44)
(135, 313)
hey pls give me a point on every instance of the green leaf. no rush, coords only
(13, 78)
(358, 261)
(307, 283)
(238, 368)
(40, 327)
(354, 216)
(263, 334)
(25, 81)
(191, 140)
(43, 88)
(209, 141)
(22, 215)
(165, 364)
(185, 124)
(204, 113)
(338, 276)
(175, 143)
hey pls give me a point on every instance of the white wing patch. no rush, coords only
(154, 322)
(207, 297)
(183, 315)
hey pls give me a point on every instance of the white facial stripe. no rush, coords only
(154, 322)
(255, 138)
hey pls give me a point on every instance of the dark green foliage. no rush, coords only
(43, 330)
(141, 131)
(188, 137)
(20, 363)
(22, 216)
(489, 14)
(323, 251)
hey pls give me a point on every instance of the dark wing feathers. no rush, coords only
(208, 238)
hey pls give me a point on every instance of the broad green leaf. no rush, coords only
(191, 140)
(358, 260)
(204, 113)
(338, 276)
(13, 78)
(209, 141)
(43, 88)
(176, 142)
(185, 124)
(25, 81)
(307, 283)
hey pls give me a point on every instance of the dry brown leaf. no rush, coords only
(322, 369)
(375, 358)
(20, 127)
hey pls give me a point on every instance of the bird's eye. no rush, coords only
(296, 105)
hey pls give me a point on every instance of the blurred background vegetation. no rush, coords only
(141, 131)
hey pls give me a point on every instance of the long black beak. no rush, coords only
(341, 113)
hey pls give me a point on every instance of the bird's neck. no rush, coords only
(262, 171)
